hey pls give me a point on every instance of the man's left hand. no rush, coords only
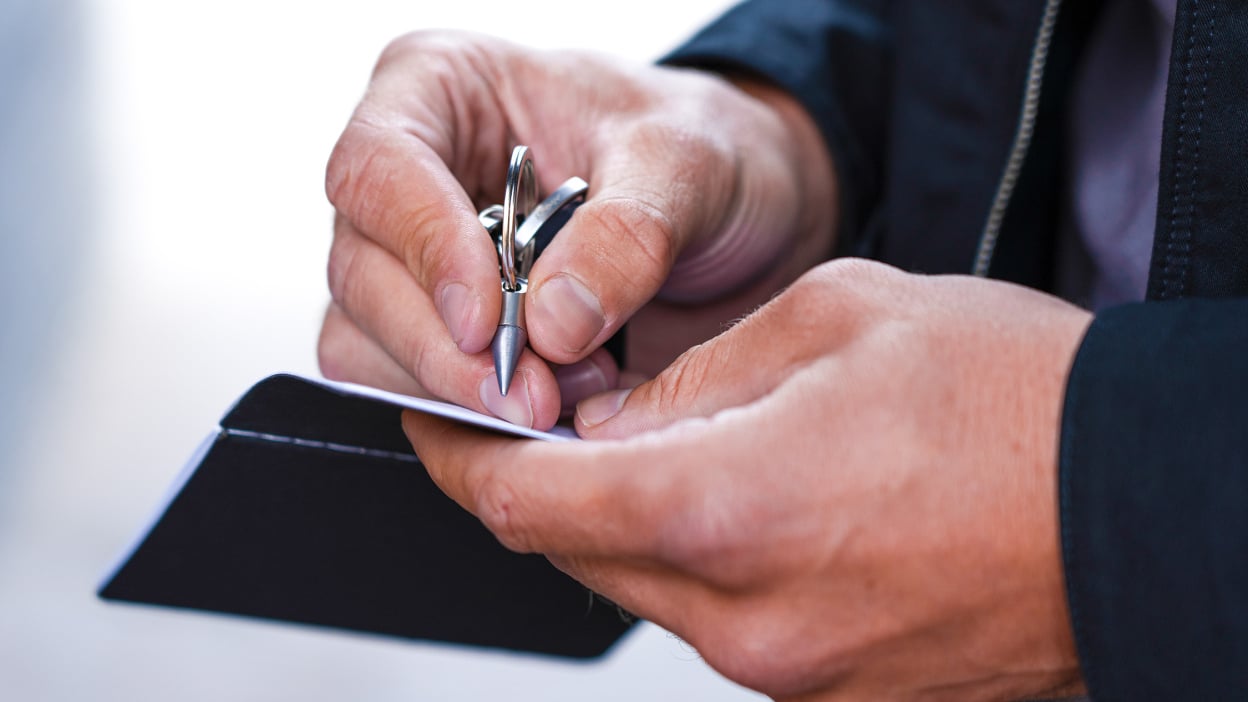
(850, 494)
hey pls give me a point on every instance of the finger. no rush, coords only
(345, 352)
(594, 374)
(820, 312)
(654, 191)
(379, 295)
(647, 501)
(398, 192)
(571, 498)
(399, 173)
(742, 364)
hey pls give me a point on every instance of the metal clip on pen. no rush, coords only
(521, 228)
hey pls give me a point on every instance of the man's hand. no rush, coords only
(699, 187)
(851, 494)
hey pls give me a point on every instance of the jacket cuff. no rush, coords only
(1154, 501)
(834, 59)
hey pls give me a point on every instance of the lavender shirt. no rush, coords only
(1115, 152)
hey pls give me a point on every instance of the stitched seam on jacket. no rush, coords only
(1178, 246)
(1185, 246)
(1167, 265)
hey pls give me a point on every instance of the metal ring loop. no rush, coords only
(526, 236)
(519, 199)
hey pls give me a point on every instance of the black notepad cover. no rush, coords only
(309, 506)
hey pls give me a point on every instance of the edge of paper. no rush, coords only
(445, 410)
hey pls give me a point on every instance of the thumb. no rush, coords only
(651, 198)
(739, 366)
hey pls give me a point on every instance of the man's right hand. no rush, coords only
(698, 187)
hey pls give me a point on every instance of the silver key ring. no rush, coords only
(526, 236)
(519, 199)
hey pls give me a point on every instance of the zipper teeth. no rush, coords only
(1022, 139)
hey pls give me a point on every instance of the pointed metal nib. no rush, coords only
(509, 343)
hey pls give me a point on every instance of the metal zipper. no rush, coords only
(1022, 139)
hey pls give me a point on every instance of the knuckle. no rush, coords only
(697, 162)
(424, 45)
(427, 253)
(356, 155)
(753, 651)
(498, 510)
(331, 351)
(338, 172)
(688, 145)
(402, 47)
(764, 646)
(415, 358)
(683, 380)
(848, 276)
(646, 229)
(703, 534)
(332, 365)
(343, 271)
(357, 185)
(835, 299)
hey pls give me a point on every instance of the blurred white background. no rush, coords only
(164, 234)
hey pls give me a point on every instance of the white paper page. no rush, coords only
(445, 410)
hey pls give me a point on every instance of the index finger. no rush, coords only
(391, 175)
(399, 193)
(575, 498)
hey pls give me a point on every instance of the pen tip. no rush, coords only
(508, 344)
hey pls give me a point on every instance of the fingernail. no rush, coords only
(573, 313)
(600, 408)
(579, 381)
(514, 408)
(458, 307)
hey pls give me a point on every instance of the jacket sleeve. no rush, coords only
(835, 58)
(1154, 501)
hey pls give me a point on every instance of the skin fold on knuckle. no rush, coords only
(857, 277)
(674, 392)
(358, 153)
(346, 271)
(455, 92)
(417, 358)
(362, 184)
(498, 507)
(634, 224)
(429, 251)
(699, 165)
(332, 354)
(831, 304)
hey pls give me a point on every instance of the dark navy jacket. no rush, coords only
(945, 120)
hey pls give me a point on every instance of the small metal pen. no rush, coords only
(521, 228)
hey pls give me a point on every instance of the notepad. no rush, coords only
(308, 505)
